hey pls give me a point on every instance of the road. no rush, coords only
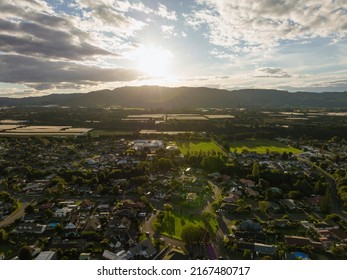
(14, 215)
(336, 204)
(147, 227)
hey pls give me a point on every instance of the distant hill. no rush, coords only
(187, 97)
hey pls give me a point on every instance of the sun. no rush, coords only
(154, 62)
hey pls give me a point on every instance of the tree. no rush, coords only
(207, 215)
(168, 207)
(338, 251)
(255, 169)
(325, 204)
(25, 253)
(29, 209)
(3, 236)
(192, 234)
(263, 205)
(247, 254)
(212, 164)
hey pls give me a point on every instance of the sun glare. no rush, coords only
(154, 62)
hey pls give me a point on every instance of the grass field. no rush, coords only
(173, 224)
(196, 147)
(261, 146)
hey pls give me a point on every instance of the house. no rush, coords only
(191, 196)
(59, 243)
(129, 213)
(338, 234)
(122, 224)
(264, 249)
(93, 224)
(121, 255)
(62, 212)
(85, 256)
(30, 228)
(288, 204)
(70, 226)
(247, 183)
(232, 198)
(249, 225)
(144, 249)
(46, 255)
(301, 241)
(86, 205)
(250, 192)
(134, 205)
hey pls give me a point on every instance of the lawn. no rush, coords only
(174, 222)
(196, 147)
(261, 146)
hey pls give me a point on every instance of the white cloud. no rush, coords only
(168, 30)
(254, 26)
(164, 12)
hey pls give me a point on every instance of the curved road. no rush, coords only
(147, 227)
(17, 214)
(335, 201)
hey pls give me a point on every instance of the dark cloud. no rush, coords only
(42, 74)
(43, 35)
(48, 48)
(271, 72)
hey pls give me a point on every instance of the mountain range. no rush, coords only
(187, 97)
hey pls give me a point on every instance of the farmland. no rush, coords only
(261, 146)
(196, 147)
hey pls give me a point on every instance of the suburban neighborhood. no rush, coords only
(168, 197)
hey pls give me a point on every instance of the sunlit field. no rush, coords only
(261, 146)
(196, 147)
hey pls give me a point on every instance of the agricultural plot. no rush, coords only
(261, 146)
(196, 147)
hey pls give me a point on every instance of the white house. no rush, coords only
(62, 212)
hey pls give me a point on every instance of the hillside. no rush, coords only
(187, 97)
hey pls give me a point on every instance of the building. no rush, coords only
(46, 256)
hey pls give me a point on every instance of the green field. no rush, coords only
(196, 147)
(173, 223)
(261, 146)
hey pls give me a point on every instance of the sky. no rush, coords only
(65, 46)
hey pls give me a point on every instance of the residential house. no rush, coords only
(62, 212)
(134, 205)
(191, 196)
(232, 198)
(129, 213)
(46, 255)
(301, 241)
(249, 225)
(30, 228)
(93, 224)
(264, 249)
(143, 249)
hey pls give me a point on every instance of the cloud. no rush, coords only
(255, 26)
(271, 72)
(168, 29)
(31, 32)
(44, 74)
(164, 12)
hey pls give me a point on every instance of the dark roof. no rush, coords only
(338, 233)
